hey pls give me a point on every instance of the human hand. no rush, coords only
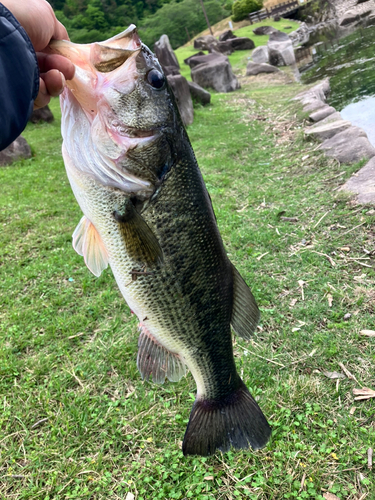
(40, 23)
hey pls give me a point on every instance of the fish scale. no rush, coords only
(148, 215)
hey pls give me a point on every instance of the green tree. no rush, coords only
(242, 8)
(174, 17)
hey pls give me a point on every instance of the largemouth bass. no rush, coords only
(147, 214)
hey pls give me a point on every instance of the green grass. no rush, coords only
(68, 342)
(239, 57)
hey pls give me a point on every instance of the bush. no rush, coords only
(242, 8)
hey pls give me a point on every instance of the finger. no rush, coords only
(54, 82)
(48, 62)
(60, 32)
(42, 99)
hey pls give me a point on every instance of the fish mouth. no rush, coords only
(135, 133)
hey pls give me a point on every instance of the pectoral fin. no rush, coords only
(245, 312)
(87, 242)
(141, 243)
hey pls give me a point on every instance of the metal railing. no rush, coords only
(281, 8)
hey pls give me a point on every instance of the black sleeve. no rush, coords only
(19, 78)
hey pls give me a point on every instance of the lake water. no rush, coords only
(349, 62)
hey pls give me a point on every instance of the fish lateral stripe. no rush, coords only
(235, 420)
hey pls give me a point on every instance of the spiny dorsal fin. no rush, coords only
(245, 312)
(154, 359)
(87, 242)
(141, 243)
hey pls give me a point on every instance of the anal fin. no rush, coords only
(87, 242)
(245, 312)
(154, 359)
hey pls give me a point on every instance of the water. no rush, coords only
(349, 62)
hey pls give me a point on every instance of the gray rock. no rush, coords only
(171, 70)
(264, 30)
(319, 91)
(199, 94)
(280, 49)
(327, 130)
(334, 117)
(221, 47)
(300, 35)
(349, 146)
(203, 42)
(361, 1)
(322, 113)
(200, 53)
(164, 53)
(181, 92)
(226, 36)
(363, 183)
(16, 151)
(253, 68)
(216, 74)
(278, 36)
(351, 16)
(206, 58)
(315, 97)
(241, 43)
(41, 115)
(260, 54)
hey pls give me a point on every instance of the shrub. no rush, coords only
(242, 8)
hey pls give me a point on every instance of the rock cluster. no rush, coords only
(180, 86)
(340, 140)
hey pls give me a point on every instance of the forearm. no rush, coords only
(19, 78)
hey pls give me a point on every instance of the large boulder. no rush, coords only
(241, 43)
(216, 74)
(260, 54)
(226, 36)
(363, 183)
(199, 94)
(17, 150)
(171, 70)
(206, 58)
(315, 97)
(350, 16)
(203, 42)
(322, 113)
(200, 53)
(181, 91)
(164, 52)
(41, 115)
(301, 35)
(253, 68)
(221, 47)
(280, 48)
(324, 131)
(349, 146)
(264, 30)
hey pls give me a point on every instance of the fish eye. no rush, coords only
(156, 79)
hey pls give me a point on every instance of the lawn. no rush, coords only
(77, 421)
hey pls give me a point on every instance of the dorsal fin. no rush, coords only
(154, 359)
(245, 312)
(87, 242)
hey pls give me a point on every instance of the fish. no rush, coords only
(148, 215)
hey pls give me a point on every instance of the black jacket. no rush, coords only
(19, 78)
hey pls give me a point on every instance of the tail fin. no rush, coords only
(234, 420)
